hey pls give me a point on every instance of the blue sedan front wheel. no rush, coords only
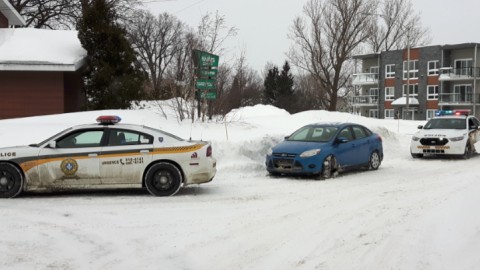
(330, 167)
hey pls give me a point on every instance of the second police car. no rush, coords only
(106, 155)
(450, 132)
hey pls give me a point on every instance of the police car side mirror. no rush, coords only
(473, 127)
(52, 144)
(420, 127)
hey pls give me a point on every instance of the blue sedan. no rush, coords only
(326, 149)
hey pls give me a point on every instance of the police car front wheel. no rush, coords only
(163, 179)
(11, 180)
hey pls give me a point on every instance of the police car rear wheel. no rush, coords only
(11, 180)
(163, 179)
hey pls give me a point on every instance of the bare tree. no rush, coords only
(324, 42)
(397, 26)
(213, 31)
(60, 14)
(157, 41)
(246, 88)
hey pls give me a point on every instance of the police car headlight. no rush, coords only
(310, 153)
(415, 138)
(456, 139)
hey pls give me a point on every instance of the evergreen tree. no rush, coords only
(270, 85)
(279, 88)
(285, 83)
(110, 78)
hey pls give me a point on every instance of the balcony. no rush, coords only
(365, 79)
(458, 74)
(457, 99)
(367, 100)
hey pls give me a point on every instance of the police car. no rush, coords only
(106, 155)
(450, 132)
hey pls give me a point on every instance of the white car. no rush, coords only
(449, 133)
(106, 155)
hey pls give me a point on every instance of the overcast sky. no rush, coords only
(263, 25)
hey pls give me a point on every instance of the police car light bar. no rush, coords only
(108, 119)
(452, 112)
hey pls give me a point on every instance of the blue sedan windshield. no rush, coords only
(314, 134)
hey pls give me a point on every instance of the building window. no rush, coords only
(432, 92)
(462, 93)
(389, 114)
(373, 113)
(413, 70)
(390, 71)
(413, 90)
(430, 114)
(463, 67)
(389, 93)
(432, 68)
(373, 95)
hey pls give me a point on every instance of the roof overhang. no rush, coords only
(14, 18)
(460, 46)
(29, 66)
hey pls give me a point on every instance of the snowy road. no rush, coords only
(410, 214)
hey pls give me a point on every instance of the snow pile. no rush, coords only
(409, 214)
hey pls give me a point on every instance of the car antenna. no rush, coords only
(191, 128)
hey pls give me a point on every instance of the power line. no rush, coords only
(181, 10)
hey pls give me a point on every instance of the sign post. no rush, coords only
(206, 70)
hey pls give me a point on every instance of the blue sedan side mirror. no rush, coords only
(286, 137)
(342, 140)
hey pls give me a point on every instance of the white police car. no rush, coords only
(106, 155)
(450, 132)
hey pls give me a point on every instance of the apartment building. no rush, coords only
(440, 77)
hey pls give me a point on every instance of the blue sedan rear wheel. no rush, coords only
(374, 160)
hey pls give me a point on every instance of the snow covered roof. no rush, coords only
(403, 101)
(14, 18)
(30, 49)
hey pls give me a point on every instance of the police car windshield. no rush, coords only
(49, 139)
(314, 134)
(446, 123)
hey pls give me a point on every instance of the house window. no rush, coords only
(413, 90)
(432, 92)
(430, 114)
(413, 70)
(463, 67)
(390, 71)
(373, 113)
(389, 93)
(432, 68)
(389, 114)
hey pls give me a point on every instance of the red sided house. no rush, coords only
(39, 68)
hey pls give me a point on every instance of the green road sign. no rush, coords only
(204, 59)
(207, 73)
(205, 84)
(208, 94)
